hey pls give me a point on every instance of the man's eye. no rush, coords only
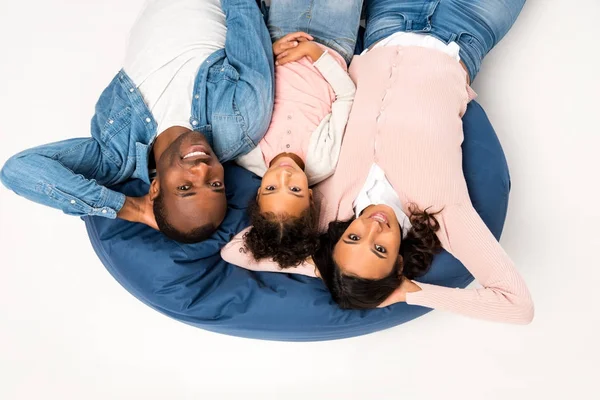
(270, 188)
(184, 188)
(353, 237)
(380, 249)
(216, 184)
(295, 189)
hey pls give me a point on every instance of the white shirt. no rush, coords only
(378, 190)
(420, 40)
(167, 45)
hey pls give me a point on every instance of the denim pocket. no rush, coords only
(118, 119)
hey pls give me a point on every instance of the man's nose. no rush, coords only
(200, 169)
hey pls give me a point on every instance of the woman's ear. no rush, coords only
(310, 194)
(400, 262)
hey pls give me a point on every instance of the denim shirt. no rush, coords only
(232, 104)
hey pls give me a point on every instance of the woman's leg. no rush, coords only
(477, 26)
(333, 23)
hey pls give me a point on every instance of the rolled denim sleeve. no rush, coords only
(67, 175)
(249, 50)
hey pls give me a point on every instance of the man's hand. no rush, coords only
(138, 209)
(303, 49)
(290, 41)
(399, 295)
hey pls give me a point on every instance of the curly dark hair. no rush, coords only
(194, 236)
(351, 292)
(287, 240)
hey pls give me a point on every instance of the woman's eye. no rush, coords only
(380, 249)
(184, 188)
(295, 189)
(270, 187)
(353, 237)
(216, 184)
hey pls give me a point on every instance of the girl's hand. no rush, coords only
(399, 295)
(303, 49)
(290, 41)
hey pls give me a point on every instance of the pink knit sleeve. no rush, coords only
(504, 296)
(235, 252)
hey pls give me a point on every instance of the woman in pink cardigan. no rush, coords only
(399, 193)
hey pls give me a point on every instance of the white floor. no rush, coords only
(69, 331)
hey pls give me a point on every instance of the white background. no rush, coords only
(69, 331)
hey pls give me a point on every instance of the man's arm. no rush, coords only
(69, 175)
(249, 50)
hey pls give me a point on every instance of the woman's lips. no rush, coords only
(380, 217)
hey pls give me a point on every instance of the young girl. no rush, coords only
(313, 43)
(401, 163)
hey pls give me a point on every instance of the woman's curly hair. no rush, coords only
(286, 239)
(416, 250)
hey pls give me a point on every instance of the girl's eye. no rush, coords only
(353, 237)
(295, 189)
(184, 188)
(380, 249)
(216, 184)
(270, 188)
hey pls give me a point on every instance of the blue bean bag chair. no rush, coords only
(192, 284)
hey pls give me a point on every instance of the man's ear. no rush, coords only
(154, 190)
(257, 194)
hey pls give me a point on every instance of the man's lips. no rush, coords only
(195, 152)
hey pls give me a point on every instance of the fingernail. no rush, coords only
(295, 44)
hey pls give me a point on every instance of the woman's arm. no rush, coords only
(326, 140)
(235, 252)
(504, 296)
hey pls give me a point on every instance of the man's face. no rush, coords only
(191, 181)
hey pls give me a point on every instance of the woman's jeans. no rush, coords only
(333, 23)
(475, 25)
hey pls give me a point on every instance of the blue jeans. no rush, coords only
(475, 25)
(333, 23)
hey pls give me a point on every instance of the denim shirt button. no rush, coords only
(131, 90)
(104, 211)
(73, 201)
(148, 119)
(110, 121)
(194, 122)
(197, 96)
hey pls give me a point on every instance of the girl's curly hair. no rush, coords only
(286, 239)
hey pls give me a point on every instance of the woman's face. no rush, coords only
(369, 247)
(284, 188)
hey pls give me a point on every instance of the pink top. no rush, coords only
(407, 118)
(303, 97)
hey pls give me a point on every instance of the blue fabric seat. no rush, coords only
(191, 283)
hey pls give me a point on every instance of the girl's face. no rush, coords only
(369, 247)
(284, 188)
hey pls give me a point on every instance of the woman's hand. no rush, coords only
(399, 295)
(303, 49)
(290, 41)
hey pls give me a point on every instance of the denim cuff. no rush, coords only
(110, 205)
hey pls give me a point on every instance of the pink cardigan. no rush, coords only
(406, 117)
